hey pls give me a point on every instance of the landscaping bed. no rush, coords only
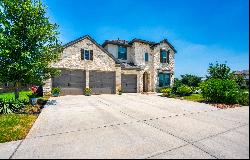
(16, 123)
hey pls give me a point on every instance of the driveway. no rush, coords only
(135, 126)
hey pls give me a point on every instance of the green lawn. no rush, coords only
(192, 97)
(15, 126)
(11, 95)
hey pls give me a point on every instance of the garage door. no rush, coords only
(129, 83)
(71, 82)
(102, 82)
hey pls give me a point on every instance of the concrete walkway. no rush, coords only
(135, 126)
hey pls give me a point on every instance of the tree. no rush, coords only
(28, 43)
(190, 80)
(239, 79)
(220, 71)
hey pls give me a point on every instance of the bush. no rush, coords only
(243, 98)
(220, 90)
(184, 90)
(166, 91)
(87, 91)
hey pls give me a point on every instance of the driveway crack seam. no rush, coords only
(192, 143)
(16, 149)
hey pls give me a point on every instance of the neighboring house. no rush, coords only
(244, 73)
(133, 66)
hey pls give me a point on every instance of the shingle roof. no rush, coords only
(129, 43)
(166, 41)
(142, 41)
(93, 41)
(116, 42)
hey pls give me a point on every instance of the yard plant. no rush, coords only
(87, 91)
(55, 91)
(184, 90)
(166, 91)
(220, 90)
(28, 43)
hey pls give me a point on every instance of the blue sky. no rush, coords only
(202, 31)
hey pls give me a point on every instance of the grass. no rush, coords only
(192, 97)
(11, 95)
(15, 126)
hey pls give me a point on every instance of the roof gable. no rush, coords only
(93, 41)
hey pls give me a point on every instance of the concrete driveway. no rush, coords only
(135, 126)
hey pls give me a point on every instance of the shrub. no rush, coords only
(220, 90)
(184, 90)
(56, 90)
(243, 98)
(10, 106)
(87, 91)
(166, 91)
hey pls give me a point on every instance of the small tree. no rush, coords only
(220, 71)
(28, 43)
(190, 80)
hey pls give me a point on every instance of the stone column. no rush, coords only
(47, 86)
(87, 78)
(118, 79)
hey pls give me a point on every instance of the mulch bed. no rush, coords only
(225, 106)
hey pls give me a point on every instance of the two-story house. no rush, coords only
(133, 66)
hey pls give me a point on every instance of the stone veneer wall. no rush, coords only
(71, 59)
(153, 65)
(168, 67)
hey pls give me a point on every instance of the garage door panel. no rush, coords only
(102, 82)
(129, 83)
(71, 82)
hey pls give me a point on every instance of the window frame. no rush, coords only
(164, 59)
(146, 57)
(90, 54)
(166, 79)
(124, 57)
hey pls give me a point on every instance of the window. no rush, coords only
(146, 57)
(86, 54)
(164, 56)
(122, 52)
(164, 79)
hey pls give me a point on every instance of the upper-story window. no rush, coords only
(86, 54)
(122, 52)
(164, 56)
(146, 57)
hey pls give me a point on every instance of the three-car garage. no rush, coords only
(73, 82)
